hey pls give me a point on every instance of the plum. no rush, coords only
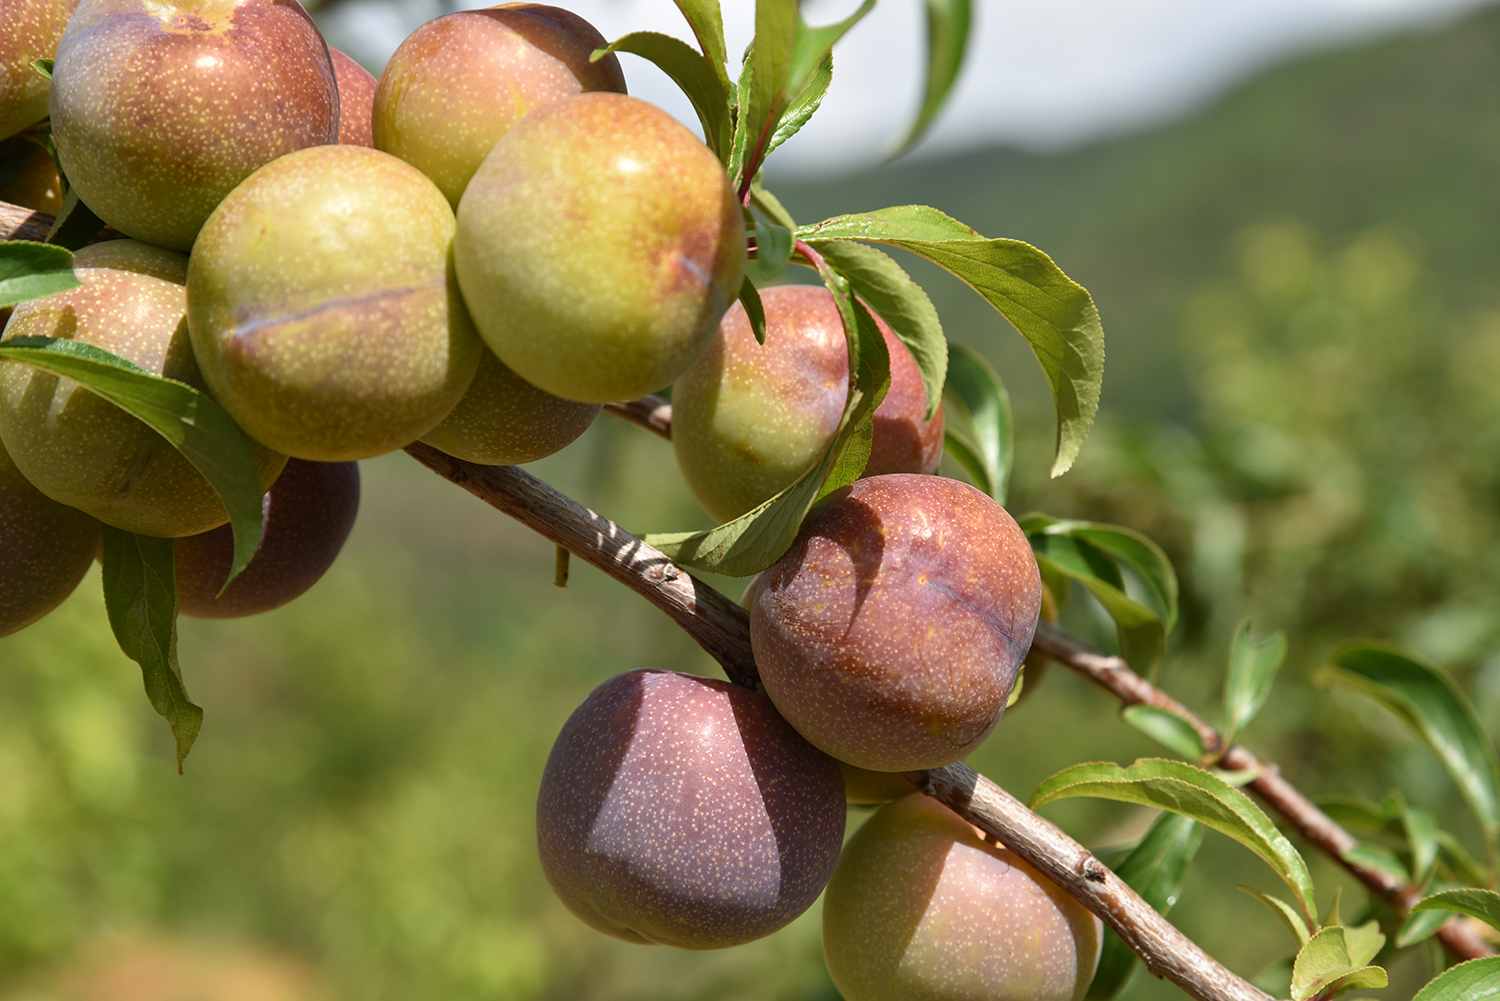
(32, 30)
(45, 549)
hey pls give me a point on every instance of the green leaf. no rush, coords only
(1364, 942)
(1191, 792)
(1166, 728)
(1285, 913)
(1055, 314)
(1419, 927)
(762, 90)
(75, 225)
(1356, 813)
(1377, 857)
(947, 37)
(1421, 831)
(1425, 698)
(800, 109)
(975, 397)
(698, 77)
(1252, 668)
(754, 311)
(1472, 981)
(1459, 862)
(707, 22)
(755, 540)
(43, 66)
(192, 422)
(769, 205)
(964, 452)
(31, 270)
(140, 599)
(1138, 553)
(1155, 869)
(814, 44)
(773, 248)
(1323, 968)
(901, 303)
(1477, 903)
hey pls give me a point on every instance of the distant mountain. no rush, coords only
(1403, 133)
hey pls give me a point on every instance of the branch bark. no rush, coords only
(650, 412)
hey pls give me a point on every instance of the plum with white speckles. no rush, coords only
(32, 28)
(683, 811)
(891, 632)
(748, 418)
(922, 908)
(45, 549)
(323, 309)
(160, 107)
(460, 81)
(598, 245)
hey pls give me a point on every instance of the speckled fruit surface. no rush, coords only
(748, 418)
(45, 549)
(160, 107)
(683, 811)
(460, 81)
(598, 245)
(921, 908)
(322, 306)
(356, 100)
(890, 633)
(32, 29)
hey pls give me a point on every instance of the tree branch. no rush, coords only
(650, 412)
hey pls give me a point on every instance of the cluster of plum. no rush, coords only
(477, 251)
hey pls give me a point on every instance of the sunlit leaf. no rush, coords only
(1252, 668)
(1284, 912)
(1191, 792)
(1378, 857)
(754, 311)
(801, 108)
(1419, 927)
(773, 248)
(707, 22)
(947, 38)
(763, 93)
(976, 398)
(31, 270)
(1166, 728)
(1472, 981)
(1323, 968)
(1475, 902)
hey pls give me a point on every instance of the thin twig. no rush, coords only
(650, 412)
(722, 628)
(17, 223)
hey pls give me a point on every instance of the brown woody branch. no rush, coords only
(722, 628)
(650, 412)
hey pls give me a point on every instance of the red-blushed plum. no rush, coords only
(356, 100)
(80, 449)
(684, 811)
(504, 420)
(32, 29)
(308, 514)
(597, 247)
(460, 81)
(160, 107)
(922, 908)
(748, 418)
(890, 633)
(323, 309)
(45, 549)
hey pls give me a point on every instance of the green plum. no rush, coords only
(459, 82)
(598, 245)
(322, 306)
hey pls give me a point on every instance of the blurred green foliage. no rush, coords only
(1301, 407)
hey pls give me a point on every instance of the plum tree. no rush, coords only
(460, 81)
(322, 307)
(684, 811)
(748, 418)
(84, 451)
(598, 245)
(308, 512)
(890, 633)
(902, 917)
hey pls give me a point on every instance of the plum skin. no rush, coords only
(891, 632)
(45, 549)
(684, 811)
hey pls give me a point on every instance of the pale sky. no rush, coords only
(1039, 75)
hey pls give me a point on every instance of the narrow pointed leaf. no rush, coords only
(901, 303)
(703, 81)
(1143, 639)
(1055, 314)
(1420, 926)
(1191, 792)
(43, 66)
(1421, 836)
(1472, 981)
(964, 452)
(763, 96)
(801, 108)
(1138, 553)
(976, 397)
(190, 421)
(754, 311)
(1285, 913)
(707, 22)
(769, 205)
(815, 43)
(1425, 698)
(140, 599)
(947, 37)
(1477, 903)
(1166, 728)
(31, 270)
(1252, 668)
(1377, 857)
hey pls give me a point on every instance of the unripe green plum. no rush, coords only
(684, 811)
(32, 29)
(160, 107)
(322, 306)
(748, 418)
(356, 99)
(890, 633)
(597, 247)
(308, 511)
(45, 549)
(503, 420)
(79, 448)
(460, 81)
(922, 908)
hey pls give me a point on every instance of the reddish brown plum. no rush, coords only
(45, 549)
(684, 811)
(160, 107)
(748, 418)
(460, 81)
(890, 633)
(356, 100)
(309, 512)
(31, 31)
